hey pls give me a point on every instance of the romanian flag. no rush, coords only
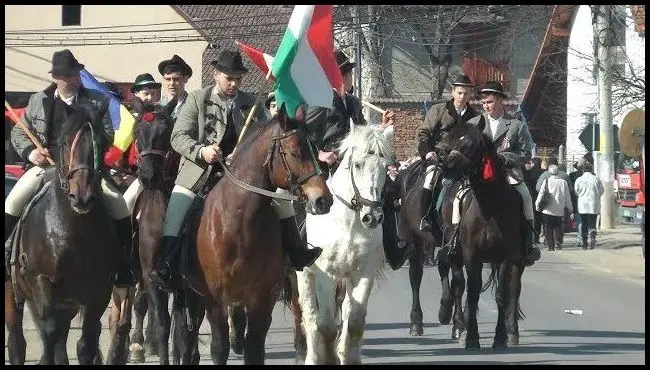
(123, 120)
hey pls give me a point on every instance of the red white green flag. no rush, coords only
(305, 67)
(261, 59)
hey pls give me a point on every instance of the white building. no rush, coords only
(582, 89)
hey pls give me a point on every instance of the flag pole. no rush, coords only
(19, 122)
(372, 106)
(260, 96)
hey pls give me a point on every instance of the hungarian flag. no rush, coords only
(262, 60)
(123, 120)
(305, 67)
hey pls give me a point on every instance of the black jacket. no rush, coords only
(328, 127)
(439, 120)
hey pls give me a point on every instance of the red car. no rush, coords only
(16, 170)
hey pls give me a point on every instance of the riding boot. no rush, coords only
(396, 253)
(532, 252)
(124, 276)
(161, 274)
(10, 223)
(299, 255)
(426, 224)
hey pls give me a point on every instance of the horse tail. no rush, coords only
(492, 280)
(287, 292)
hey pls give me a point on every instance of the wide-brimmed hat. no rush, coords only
(230, 63)
(493, 87)
(343, 62)
(184, 68)
(144, 80)
(463, 80)
(64, 63)
(113, 89)
(269, 99)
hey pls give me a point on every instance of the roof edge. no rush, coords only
(189, 20)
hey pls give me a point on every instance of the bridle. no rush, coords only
(64, 177)
(295, 183)
(357, 200)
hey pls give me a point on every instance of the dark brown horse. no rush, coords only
(490, 231)
(411, 211)
(239, 259)
(157, 168)
(69, 253)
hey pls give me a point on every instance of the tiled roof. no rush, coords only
(260, 26)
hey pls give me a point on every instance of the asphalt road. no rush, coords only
(610, 331)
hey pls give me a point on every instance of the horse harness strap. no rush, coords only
(255, 189)
(357, 200)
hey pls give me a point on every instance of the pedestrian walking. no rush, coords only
(552, 201)
(573, 176)
(589, 189)
(533, 172)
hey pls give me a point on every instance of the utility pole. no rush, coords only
(604, 38)
(357, 50)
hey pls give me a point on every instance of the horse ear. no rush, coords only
(481, 123)
(169, 108)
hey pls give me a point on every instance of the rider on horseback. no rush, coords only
(328, 127)
(206, 131)
(45, 114)
(439, 120)
(514, 143)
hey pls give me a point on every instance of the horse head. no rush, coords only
(152, 140)
(360, 179)
(467, 150)
(77, 160)
(292, 162)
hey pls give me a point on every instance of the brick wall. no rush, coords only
(408, 117)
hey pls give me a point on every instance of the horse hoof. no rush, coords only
(456, 334)
(499, 347)
(150, 349)
(444, 314)
(472, 346)
(416, 330)
(237, 347)
(513, 340)
(137, 353)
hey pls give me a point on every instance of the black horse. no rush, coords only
(68, 253)
(491, 230)
(410, 213)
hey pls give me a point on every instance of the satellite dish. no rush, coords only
(631, 135)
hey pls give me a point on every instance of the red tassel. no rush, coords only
(488, 169)
(112, 157)
(133, 155)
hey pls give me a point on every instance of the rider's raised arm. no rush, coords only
(316, 121)
(184, 138)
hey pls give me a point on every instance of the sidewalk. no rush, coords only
(617, 251)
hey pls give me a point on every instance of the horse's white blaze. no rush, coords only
(351, 251)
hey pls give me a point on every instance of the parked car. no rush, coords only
(10, 181)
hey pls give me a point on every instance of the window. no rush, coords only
(71, 15)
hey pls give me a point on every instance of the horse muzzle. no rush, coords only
(320, 205)
(81, 204)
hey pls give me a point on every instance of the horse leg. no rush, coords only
(63, 318)
(88, 352)
(259, 322)
(458, 289)
(474, 282)
(299, 339)
(500, 296)
(136, 348)
(120, 325)
(220, 346)
(416, 269)
(316, 295)
(16, 346)
(237, 328)
(159, 310)
(446, 299)
(44, 315)
(193, 311)
(513, 310)
(355, 308)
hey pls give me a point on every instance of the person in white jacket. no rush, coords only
(589, 189)
(553, 211)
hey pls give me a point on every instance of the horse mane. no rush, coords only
(76, 119)
(365, 139)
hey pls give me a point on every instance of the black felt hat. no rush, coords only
(269, 99)
(175, 61)
(144, 80)
(343, 62)
(463, 80)
(65, 64)
(230, 63)
(493, 87)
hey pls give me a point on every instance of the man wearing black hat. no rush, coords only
(439, 120)
(271, 104)
(328, 127)
(514, 144)
(145, 87)
(175, 73)
(45, 114)
(207, 130)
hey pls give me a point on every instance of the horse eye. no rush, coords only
(371, 152)
(357, 165)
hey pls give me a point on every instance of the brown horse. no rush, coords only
(239, 258)
(157, 166)
(63, 267)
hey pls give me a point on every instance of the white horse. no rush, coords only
(351, 238)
